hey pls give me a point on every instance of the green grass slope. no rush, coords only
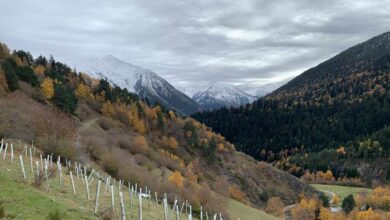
(240, 211)
(22, 200)
(341, 191)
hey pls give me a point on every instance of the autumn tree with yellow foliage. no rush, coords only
(107, 109)
(325, 214)
(3, 82)
(136, 122)
(47, 88)
(335, 199)
(17, 59)
(4, 51)
(83, 91)
(39, 70)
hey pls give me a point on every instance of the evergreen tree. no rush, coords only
(104, 85)
(12, 78)
(325, 199)
(26, 74)
(210, 151)
(64, 98)
(348, 204)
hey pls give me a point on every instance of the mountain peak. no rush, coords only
(219, 94)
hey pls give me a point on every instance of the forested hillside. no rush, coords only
(70, 114)
(340, 108)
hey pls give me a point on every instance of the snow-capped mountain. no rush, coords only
(218, 94)
(144, 82)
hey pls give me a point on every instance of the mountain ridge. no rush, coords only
(144, 82)
(218, 94)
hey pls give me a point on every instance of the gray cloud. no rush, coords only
(198, 41)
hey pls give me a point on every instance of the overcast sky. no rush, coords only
(194, 42)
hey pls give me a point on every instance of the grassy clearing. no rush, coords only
(241, 211)
(341, 191)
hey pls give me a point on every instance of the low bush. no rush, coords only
(56, 214)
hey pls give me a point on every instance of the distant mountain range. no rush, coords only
(218, 94)
(144, 82)
(189, 100)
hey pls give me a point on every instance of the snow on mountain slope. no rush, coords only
(144, 82)
(217, 95)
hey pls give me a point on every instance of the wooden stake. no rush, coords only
(97, 197)
(31, 162)
(77, 171)
(71, 178)
(177, 213)
(131, 196)
(90, 175)
(140, 205)
(190, 214)
(12, 153)
(173, 209)
(155, 195)
(112, 197)
(87, 187)
(5, 151)
(59, 172)
(181, 210)
(1, 146)
(123, 211)
(201, 213)
(37, 164)
(47, 176)
(165, 208)
(41, 161)
(22, 165)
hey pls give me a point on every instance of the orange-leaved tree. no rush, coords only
(177, 179)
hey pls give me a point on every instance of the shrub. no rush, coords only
(275, 206)
(237, 194)
(107, 214)
(324, 199)
(106, 123)
(2, 211)
(56, 146)
(38, 180)
(56, 214)
(110, 165)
